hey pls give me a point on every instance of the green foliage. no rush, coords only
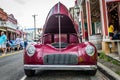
(101, 55)
(118, 72)
(108, 59)
(115, 62)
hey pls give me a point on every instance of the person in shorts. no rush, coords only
(8, 46)
(3, 39)
(17, 42)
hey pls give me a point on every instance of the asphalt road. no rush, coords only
(66, 75)
(11, 68)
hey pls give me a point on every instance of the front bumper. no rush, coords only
(60, 67)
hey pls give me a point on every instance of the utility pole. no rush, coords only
(34, 16)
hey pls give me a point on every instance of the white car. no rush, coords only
(30, 42)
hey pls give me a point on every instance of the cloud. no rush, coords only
(21, 2)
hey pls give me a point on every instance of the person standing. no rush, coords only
(8, 48)
(116, 35)
(86, 35)
(17, 42)
(25, 42)
(111, 31)
(3, 39)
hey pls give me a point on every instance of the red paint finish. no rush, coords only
(83, 31)
(78, 49)
(36, 58)
(63, 38)
(69, 36)
(86, 58)
(51, 23)
(89, 19)
(105, 17)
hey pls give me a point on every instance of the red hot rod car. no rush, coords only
(60, 47)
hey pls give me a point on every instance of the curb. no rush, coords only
(10, 53)
(108, 72)
(113, 58)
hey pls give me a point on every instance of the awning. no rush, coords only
(24, 33)
(2, 29)
(11, 30)
(19, 32)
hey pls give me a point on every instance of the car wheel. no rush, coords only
(29, 73)
(92, 72)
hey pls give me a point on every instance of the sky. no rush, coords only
(24, 9)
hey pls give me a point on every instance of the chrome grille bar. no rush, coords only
(60, 59)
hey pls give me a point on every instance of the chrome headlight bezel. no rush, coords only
(90, 50)
(31, 50)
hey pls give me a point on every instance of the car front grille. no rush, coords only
(60, 59)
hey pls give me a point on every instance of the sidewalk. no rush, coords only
(108, 72)
(114, 56)
(108, 66)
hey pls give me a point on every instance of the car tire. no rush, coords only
(29, 73)
(92, 72)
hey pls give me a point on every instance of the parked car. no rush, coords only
(60, 47)
(31, 42)
(12, 44)
(21, 44)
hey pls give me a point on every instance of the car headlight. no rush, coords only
(90, 50)
(31, 50)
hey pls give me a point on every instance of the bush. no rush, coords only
(101, 55)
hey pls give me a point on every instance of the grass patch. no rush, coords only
(108, 59)
(118, 72)
(101, 55)
(115, 62)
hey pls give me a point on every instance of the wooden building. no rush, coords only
(8, 24)
(11, 25)
(95, 17)
(3, 19)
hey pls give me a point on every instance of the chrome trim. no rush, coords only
(30, 54)
(60, 59)
(61, 67)
(59, 7)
